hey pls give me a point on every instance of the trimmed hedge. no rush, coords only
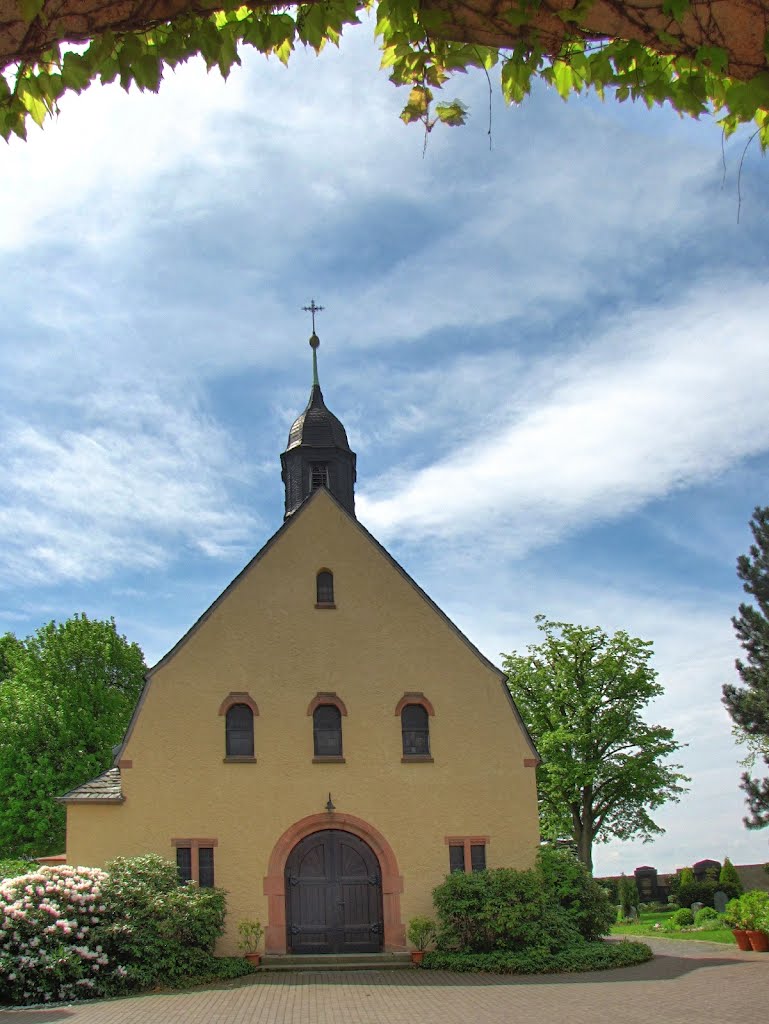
(216, 969)
(587, 956)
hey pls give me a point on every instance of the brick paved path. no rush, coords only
(686, 983)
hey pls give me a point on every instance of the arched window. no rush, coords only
(240, 731)
(324, 587)
(415, 728)
(327, 731)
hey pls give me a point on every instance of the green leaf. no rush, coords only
(147, 72)
(418, 105)
(75, 73)
(453, 114)
(516, 80)
(563, 77)
(29, 93)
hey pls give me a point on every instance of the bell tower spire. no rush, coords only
(318, 453)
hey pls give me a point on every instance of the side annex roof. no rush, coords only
(104, 789)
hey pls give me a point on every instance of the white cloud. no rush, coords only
(654, 403)
(139, 479)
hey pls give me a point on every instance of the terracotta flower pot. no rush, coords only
(759, 941)
(741, 938)
(417, 956)
(254, 958)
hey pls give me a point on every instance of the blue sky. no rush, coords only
(550, 357)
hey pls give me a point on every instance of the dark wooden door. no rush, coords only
(333, 895)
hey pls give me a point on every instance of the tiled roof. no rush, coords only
(105, 788)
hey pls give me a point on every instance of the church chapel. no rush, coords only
(324, 743)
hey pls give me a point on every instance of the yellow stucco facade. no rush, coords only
(266, 638)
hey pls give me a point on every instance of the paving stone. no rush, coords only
(686, 983)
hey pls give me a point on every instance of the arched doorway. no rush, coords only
(333, 895)
(275, 879)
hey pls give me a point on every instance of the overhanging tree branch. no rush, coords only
(699, 55)
(739, 27)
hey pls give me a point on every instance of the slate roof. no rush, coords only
(317, 426)
(104, 789)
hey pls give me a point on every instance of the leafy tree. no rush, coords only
(672, 51)
(10, 648)
(627, 896)
(65, 705)
(686, 877)
(581, 694)
(749, 704)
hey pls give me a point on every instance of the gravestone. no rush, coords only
(720, 899)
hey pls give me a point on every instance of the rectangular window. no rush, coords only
(184, 863)
(477, 857)
(195, 861)
(206, 867)
(467, 853)
(456, 858)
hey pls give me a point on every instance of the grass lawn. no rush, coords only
(645, 929)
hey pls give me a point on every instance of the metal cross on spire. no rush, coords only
(312, 308)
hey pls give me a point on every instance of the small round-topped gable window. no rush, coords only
(324, 588)
(240, 731)
(415, 729)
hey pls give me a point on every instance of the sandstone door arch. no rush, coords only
(275, 879)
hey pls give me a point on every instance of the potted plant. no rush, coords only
(421, 932)
(733, 918)
(754, 906)
(250, 936)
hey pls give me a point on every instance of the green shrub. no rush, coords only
(583, 956)
(159, 930)
(501, 909)
(704, 892)
(549, 907)
(12, 867)
(217, 968)
(610, 885)
(568, 882)
(682, 918)
(707, 915)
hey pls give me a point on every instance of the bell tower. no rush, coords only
(318, 453)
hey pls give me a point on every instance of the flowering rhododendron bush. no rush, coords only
(49, 931)
(75, 933)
